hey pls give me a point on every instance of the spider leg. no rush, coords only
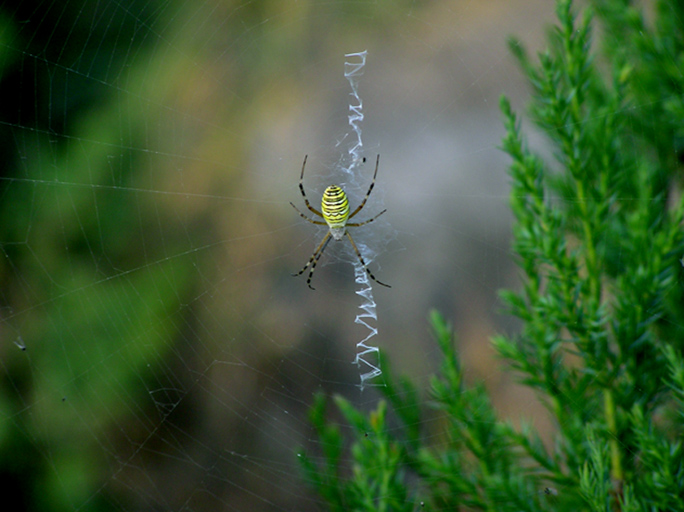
(358, 253)
(314, 259)
(307, 218)
(301, 189)
(370, 189)
(357, 224)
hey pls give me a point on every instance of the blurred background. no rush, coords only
(156, 353)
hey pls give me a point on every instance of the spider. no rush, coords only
(335, 212)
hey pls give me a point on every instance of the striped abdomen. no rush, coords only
(335, 208)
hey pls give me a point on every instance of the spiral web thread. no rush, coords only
(353, 69)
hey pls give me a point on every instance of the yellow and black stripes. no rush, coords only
(335, 208)
(335, 212)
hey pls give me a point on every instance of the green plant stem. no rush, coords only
(591, 259)
(615, 460)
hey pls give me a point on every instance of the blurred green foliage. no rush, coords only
(80, 290)
(598, 237)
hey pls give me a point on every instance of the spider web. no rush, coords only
(353, 70)
(156, 353)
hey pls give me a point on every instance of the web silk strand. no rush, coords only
(367, 308)
(353, 69)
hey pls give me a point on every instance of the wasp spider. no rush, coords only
(335, 212)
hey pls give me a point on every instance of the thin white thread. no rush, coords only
(367, 312)
(352, 71)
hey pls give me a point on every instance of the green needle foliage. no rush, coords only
(598, 238)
